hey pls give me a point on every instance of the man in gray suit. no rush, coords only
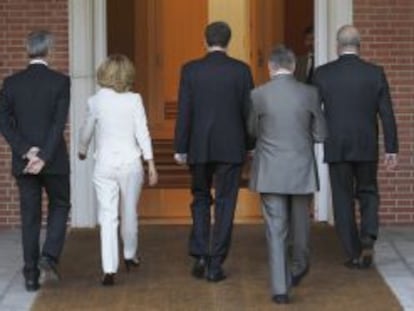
(286, 120)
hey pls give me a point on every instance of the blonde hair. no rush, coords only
(116, 72)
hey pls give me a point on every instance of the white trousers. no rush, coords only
(117, 189)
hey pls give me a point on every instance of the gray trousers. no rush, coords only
(286, 215)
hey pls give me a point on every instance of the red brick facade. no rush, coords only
(387, 28)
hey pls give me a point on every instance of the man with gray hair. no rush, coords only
(354, 94)
(34, 106)
(286, 120)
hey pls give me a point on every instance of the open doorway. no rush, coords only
(160, 35)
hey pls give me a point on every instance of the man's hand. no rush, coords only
(81, 156)
(33, 151)
(390, 161)
(180, 158)
(250, 154)
(152, 173)
(34, 166)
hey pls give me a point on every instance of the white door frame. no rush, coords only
(329, 16)
(87, 48)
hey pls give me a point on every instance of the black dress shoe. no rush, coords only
(281, 299)
(352, 263)
(366, 260)
(367, 253)
(216, 276)
(133, 262)
(49, 266)
(367, 256)
(296, 279)
(31, 279)
(108, 279)
(32, 284)
(199, 268)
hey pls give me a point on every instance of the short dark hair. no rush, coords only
(39, 43)
(282, 57)
(218, 34)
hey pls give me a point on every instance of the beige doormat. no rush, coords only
(163, 281)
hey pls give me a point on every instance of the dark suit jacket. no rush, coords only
(34, 106)
(213, 106)
(302, 73)
(354, 93)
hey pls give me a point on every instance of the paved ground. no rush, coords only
(13, 296)
(394, 259)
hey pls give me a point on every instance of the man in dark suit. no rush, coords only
(354, 93)
(211, 137)
(34, 105)
(305, 63)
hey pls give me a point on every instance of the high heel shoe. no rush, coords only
(133, 262)
(108, 279)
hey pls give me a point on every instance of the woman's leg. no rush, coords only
(130, 180)
(107, 193)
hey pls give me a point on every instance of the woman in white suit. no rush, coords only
(116, 118)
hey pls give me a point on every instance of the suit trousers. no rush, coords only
(226, 177)
(277, 209)
(57, 188)
(350, 181)
(117, 189)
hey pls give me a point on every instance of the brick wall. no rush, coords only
(387, 29)
(17, 19)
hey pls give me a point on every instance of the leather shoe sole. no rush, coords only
(216, 277)
(199, 268)
(353, 263)
(108, 279)
(32, 285)
(281, 299)
(366, 258)
(296, 279)
(49, 268)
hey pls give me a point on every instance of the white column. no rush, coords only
(329, 16)
(100, 32)
(340, 13)
(87, 48)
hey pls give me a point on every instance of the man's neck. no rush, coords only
(216, 49)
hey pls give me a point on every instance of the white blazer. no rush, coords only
(120, 126)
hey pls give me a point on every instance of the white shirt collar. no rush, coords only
(38, 61)
(280, 72)
(349, 53)
(216, 49)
